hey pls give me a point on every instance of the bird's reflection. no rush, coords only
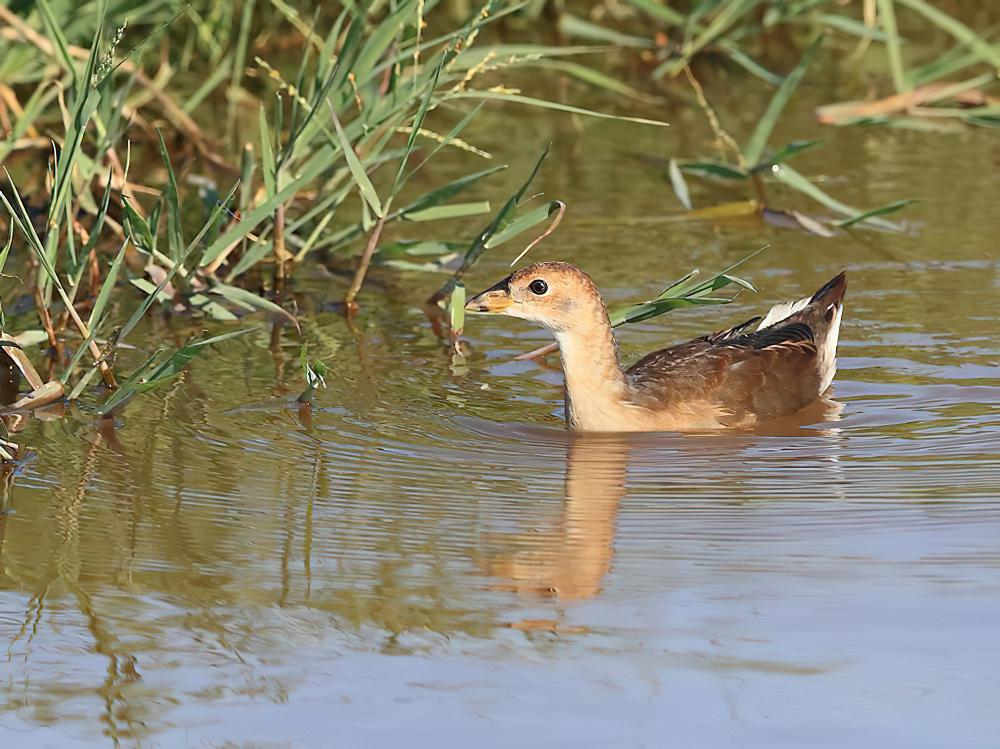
(571, 561)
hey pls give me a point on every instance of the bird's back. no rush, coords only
(765, 368)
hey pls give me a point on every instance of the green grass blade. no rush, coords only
(522, 223)
(365, 186)
(173, 365)
(594, 78)
(97, 313)
(175, 234)
(452, 134)
(785, 153)
(713, 169)
(887, 15)
(452, 210)
(180, 358)
(268, 167)
(136, 228)
(758, 141)
(242, 43)
(152, 296)
(987, 52)
(249, 221)
(438, 195)
(6, 248)
(745, 61)
(852, 26)
(500, 220)
(54, 29)
(570, 25)
(886, 209)
(796, 181)
(545, 104)
(455, 309)
(729, 14)
(418, 121)
(243, 297)
(379, 40)
(659, 12)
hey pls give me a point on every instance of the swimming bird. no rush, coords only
(765, 368)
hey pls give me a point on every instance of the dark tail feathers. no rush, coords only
(833, 291)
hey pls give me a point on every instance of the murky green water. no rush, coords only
(434, 561)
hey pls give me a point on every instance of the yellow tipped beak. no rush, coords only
(495, 299)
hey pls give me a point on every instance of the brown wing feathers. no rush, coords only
(764, 373)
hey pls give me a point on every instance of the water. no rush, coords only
(428, 557)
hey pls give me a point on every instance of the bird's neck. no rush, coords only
(596, 388)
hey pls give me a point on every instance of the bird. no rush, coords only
(766, 368)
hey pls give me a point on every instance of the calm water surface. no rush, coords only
(430, 559)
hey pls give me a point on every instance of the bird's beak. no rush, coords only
(495, 299)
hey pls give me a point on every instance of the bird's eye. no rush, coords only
(538, 287)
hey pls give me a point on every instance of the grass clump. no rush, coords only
(345, 129)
